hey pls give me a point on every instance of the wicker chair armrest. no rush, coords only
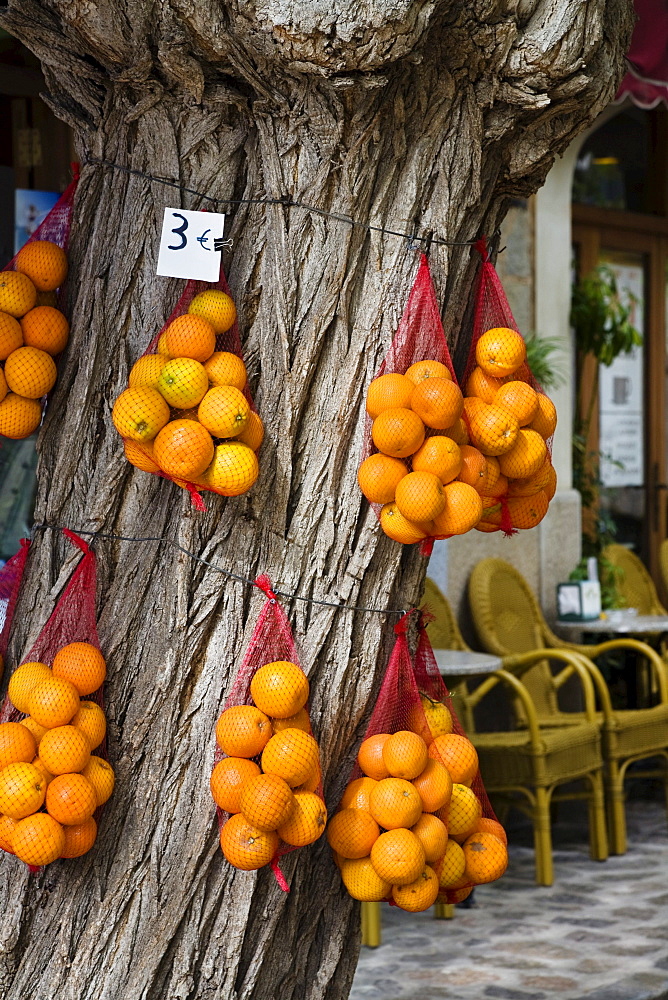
(520, 662)
(657, 664)
(521, 692)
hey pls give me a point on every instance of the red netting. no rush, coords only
(187, 414)
(266, 779)
(32, 329)
(412, 459)
(509, 419)
(11, 575)
(52, 732)
(470, 814)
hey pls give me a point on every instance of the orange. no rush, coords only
(183, 448)
(216, 307)
(545, 421)
(311, 783)
(36, 762)
(418, 895)
(46, 299)
(527, 512)
(224, 411)
(266, 801)
(439, 455)
(378, 477)
(405, 754)
(34, 728)
(45, 328)
(189, 336)
(493, 430)
(245, 846)
(362, 881)
(17, 744)
(473, 469)
(291, 754)
(30, 372)
(492, 475)
(17, 293)
(64, 750)
(53, 702)
(463, 813)
(388, 392)
(145, 373)
(183, 383)
(308, 820)
(71, 799)
(253, 432)
(79, 839)
(82, 664)
(551, 487)
(427, 369)
(22, 790)
(370, 757)
(227, 780)
(500, 352)
(38, 840)
(356, 795)
(473, 405)
(431, 718)
(3, 385)
(22, 681)
(7, 827)
(434, 785)
(398, 432)
(459, 432)
(139, 414)
(11, 335)
(459, 756)
(399, 528)
(463, 510)
(452, 867)
(534, 483)
(398, 857)
(243, 731)
(234, 469)
(519, 399)
(140, 455)
(438, 402)
(420, 496)
(100, 773)
(394, 803)
(499, 488)
(526, 456)
(483, 386)
(432, 834)
(486, 825)
(486, 857)
(44, 262)
(280, 689)
(300, 720)
(225, 368)
(90, 720)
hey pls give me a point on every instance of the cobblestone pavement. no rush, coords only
(599, 933)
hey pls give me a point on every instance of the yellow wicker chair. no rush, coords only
(634, 584)
(530, 762)
(508, 621)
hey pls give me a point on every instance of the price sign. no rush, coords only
(188, 244)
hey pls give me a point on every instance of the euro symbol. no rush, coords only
(180, 231)
(204, 239)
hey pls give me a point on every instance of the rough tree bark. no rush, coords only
(389, 111)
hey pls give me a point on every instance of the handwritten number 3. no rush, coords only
(180, 231)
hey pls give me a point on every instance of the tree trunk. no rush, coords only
(427, 112)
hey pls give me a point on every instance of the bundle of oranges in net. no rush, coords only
(51, 782)
(186, 413)
(32, 332)
(269, 780)
(411, 828)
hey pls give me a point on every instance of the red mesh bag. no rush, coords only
(388, 835)
(510, 421)
(266, 779)
(187, 414)
(412, 460)
(33, 331)
(11, 575)
(476, 850)
(54, 773)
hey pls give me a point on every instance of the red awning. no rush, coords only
(646, 81)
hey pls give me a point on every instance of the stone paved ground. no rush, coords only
(599, 933)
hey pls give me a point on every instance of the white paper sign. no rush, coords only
(187, 248)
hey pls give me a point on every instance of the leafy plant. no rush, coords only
(547, 371)
(601, 319)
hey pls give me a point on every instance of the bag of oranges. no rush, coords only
(11, 575)
(188, 414)
(54, 773)
(476, 850)
(266, 779)
(33, 330)
(412, 468)
(509, 419)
